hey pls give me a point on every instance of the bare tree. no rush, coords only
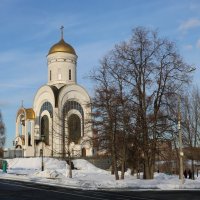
(152, 71)
(2, 132)
(191, 125)
(104, 114)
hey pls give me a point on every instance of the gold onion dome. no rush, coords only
(62, 46)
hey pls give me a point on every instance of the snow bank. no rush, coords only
(35, 163)
(49, 173)
(87, 176)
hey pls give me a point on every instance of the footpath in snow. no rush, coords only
(87, 176)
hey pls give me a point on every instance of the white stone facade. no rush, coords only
(59, 122)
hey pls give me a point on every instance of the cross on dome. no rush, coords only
(62, 46)
(61, 28)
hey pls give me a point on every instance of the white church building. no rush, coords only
(59, 121)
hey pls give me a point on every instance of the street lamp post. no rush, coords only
(180, 143)
(181, 154)
(42, 137)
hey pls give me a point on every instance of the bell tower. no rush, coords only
(61, 60)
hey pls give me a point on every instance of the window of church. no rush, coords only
(45, 128)
(70, 75)
(29, 133)
(74, 127)
(47, 106)
(69, 105)
(50, 75)
(44, 123)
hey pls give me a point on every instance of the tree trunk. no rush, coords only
(112, 167)
(122, 170)
(193, 169)
(147, 174)
(115, 169)
(148, 168)
(114, 158)
(152, 168)
(123, 161)
(70, 165)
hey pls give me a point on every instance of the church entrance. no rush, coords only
(74, 127)
(83, 152)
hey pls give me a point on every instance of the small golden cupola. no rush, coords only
(62, 46)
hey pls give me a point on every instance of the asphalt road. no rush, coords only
(16, 190)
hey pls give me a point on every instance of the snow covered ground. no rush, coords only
(87, 176)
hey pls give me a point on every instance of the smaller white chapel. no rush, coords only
(59, 121)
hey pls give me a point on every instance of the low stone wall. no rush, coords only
(102, 162)
(13, 153)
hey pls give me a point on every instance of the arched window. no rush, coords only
(75, 124)
(47, 106)
(74, 128)
(69, 105)
(44, 121)
(45, 128)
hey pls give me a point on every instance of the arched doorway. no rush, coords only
(74, 127)
(83, 152)
(45, 128)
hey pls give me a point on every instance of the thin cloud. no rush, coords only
(198, 44)
(194, 6)
(16, 85)
(3, 104)
(188, 47)
(22, 67)
(189, 24)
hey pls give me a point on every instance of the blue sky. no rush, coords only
(30, 27)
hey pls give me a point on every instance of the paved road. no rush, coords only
(16, 190)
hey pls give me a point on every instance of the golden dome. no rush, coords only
(28, 113)
(62, 46)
